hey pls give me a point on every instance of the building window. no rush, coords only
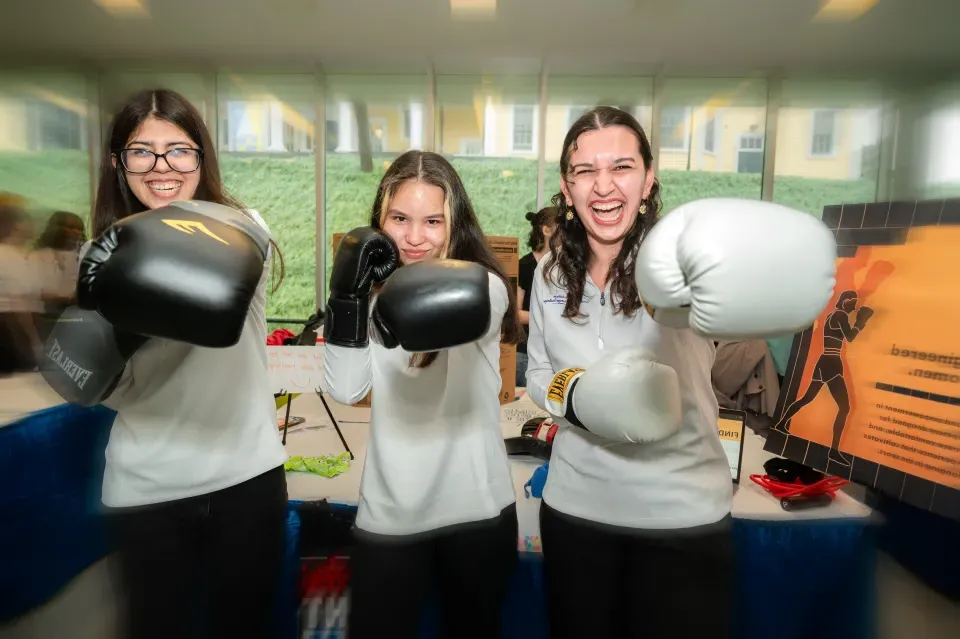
(750, 153)
(522, 134)
(378, 135)
(471, 146)
(56, 128)
(224, 130)
(824, 135)
(710, 135)
(289, 138)
(406, 123)
(574, 113)
(673, 128)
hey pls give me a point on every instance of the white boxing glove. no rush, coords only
(735, 269)
(625, 396)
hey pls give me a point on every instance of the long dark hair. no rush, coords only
(465, 239)
(547, 216)
(567, 265)
(53, 236)
(115, 201)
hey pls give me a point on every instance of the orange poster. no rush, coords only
(872, 392)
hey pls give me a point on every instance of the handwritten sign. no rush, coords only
(514, 415)
(295, 369)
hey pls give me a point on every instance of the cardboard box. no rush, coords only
(507, 250)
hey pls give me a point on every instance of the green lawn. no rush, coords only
(283, 189)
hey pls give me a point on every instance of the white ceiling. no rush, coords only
(709, 36)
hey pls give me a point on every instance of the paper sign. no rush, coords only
(295, 369)
(731, 437)
(521, 411)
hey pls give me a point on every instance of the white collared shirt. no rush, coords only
(679, 482)
(436, 455)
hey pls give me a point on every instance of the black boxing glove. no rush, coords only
(186, 272)
(433, 305)
(864, 313)
(535, 439)
(365, 257)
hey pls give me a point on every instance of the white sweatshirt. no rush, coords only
(193, 420)
(679, 482)
(436, 455)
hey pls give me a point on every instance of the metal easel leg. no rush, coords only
(335, 424)
(286, 419)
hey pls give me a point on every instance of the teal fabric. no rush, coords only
(780, 349)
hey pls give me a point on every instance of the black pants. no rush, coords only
(205, 566)
(605, 582)
(16, 354)
(470, 566)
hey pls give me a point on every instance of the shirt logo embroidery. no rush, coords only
(556, 299)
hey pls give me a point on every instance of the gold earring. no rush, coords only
(643, 209)
(569, 215)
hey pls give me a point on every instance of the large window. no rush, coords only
(44, 142)
(938, 173)
(711, 139)
(118, 87)
(371, 119)
(267, 129)
(569, 97)
(828, 144)
(489, 129)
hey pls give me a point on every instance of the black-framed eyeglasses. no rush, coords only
(182, 160)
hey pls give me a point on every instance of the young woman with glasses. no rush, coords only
(194, 481)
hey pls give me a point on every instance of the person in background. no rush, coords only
(437, 503)
(19, 298)
(543, 223)
(194, 484)
(54, 261)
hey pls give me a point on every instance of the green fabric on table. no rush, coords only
(324, 465)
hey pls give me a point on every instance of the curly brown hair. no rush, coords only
(570, 254)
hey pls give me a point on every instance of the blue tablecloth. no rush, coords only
(51, 529)
(796, 579)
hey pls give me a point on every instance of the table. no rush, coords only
(821, 560)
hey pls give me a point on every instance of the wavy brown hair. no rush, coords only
(116, 201)
(570, 254)
(465, 239)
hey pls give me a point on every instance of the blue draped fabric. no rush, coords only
(923, 542)
(802, 579)
(796, 579)
(288, 593)
(51, 523)
(51, 471)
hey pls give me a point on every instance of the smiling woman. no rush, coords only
(181, 482)
(156, 151)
